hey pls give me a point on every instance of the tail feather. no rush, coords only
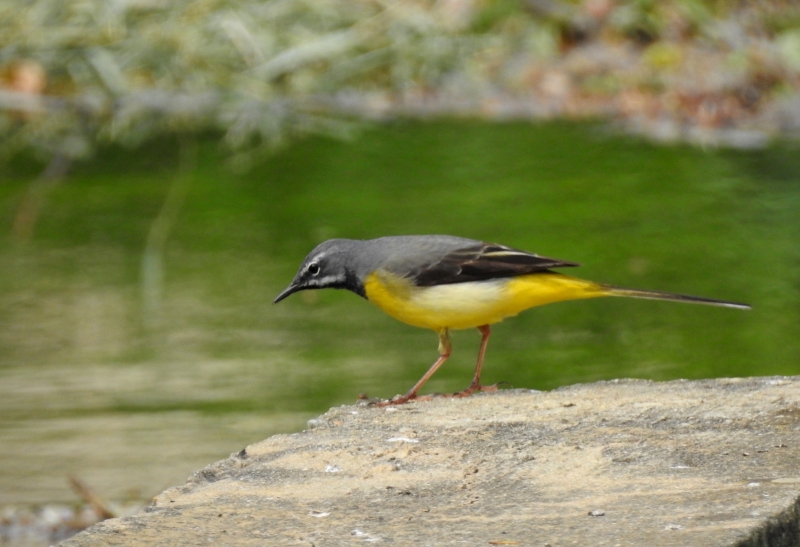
(657, 295)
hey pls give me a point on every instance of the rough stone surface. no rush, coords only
(622, 463)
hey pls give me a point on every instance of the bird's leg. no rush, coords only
(444, 352)
(476, 379)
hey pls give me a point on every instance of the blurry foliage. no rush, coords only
(82, 71)
(77, 73)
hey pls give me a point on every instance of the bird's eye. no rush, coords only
(313, 268)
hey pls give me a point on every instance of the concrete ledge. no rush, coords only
(628, 463)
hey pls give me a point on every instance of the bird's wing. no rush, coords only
(480, 262)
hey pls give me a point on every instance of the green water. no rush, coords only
(86, 389)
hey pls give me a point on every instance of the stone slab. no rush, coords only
(620, 463)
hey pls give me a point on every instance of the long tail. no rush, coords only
(656, 295)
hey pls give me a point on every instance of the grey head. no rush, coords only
(332, 264)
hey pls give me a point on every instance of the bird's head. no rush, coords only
(328, 266)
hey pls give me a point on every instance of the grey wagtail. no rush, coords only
(444, 282)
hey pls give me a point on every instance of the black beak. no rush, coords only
(291, 289)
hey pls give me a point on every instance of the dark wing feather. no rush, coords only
(481, 262)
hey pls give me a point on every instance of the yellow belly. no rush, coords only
(475, 303)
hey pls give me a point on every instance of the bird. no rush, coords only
(445, 283)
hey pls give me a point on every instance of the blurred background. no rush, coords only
(166, 166)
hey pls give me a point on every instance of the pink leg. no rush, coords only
(476, 379)
(445, 348)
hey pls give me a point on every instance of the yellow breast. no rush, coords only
(475, 303)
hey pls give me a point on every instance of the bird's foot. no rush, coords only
(473, 388)
(410, 396)
(403, 399)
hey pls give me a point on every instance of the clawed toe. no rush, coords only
(474, 388)
(408, 397)
(403, 399)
